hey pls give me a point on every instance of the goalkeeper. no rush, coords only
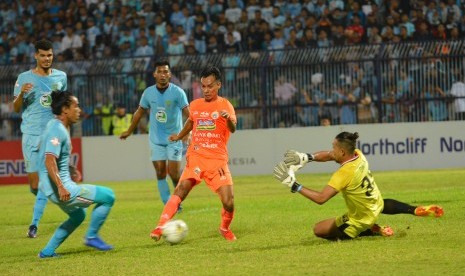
(358, 187)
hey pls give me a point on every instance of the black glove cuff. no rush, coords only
(310, 157)
(296, 187)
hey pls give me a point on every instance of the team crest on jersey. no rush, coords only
(206, 124)
(57, 86)
(197, 170)
(55, 141)
(215, 115)
(161, 116)
(46, 100)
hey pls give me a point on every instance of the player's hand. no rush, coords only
(76, 175)
(296, 160)
(125, 135)
(26, 88)
(225, 114)
(63, 193)
(284, 174)
(173, 138)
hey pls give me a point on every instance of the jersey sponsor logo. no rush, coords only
(207, 135)
(45, 100)
(209, 146)
(197, 170)
(161, 116)
(206, 124)
(215, 115)
(204, 114)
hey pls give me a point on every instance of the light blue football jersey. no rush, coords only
(165, 112)
(56, 141)
(36, 103)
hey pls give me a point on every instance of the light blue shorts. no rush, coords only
(83, 196)
(30, 146)
(172, 151)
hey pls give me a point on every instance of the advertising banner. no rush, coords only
(13, 168)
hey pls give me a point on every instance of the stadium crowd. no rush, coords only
(129, 28)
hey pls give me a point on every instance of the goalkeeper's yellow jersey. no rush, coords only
(361, 194)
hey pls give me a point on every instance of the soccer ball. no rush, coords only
(174, 231)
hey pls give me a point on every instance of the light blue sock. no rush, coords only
(164, 190)
(65, 229)
(104, 198)
(39, 207)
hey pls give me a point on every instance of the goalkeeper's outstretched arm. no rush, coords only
(323, 156)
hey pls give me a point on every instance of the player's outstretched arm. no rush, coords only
(287, 177)
(135, 121)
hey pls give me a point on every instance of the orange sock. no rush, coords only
(226, 218)
(170, 209)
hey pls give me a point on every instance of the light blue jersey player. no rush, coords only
(168, 105)
(32, 96)
(56, 183)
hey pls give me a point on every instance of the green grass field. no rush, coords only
(273, 226)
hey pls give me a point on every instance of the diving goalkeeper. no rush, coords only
(358, 187)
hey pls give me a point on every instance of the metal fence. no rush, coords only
(385, 83)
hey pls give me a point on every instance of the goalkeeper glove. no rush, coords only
(284, 174)
(287, 177)
(296, 160)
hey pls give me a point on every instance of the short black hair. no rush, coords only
(59, 100)
(347, 140)
(211, 71)
(161, 63)
(43, 44)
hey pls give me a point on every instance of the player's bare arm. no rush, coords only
(231, 124)
(52, 168)
(188, 125)
(319, 197)
(135, 121)
(323, 156)
(18, 101)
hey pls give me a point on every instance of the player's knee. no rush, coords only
(78, 216)
(104, 196)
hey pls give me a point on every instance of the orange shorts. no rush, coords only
(214, 172)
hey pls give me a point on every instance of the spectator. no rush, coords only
(233, 12)
(175, 49)
(458, 91)
(120, 120)
(71, 41)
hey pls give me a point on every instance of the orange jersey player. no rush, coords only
(212, 120)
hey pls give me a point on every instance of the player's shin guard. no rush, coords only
(226, 218)
(39, 207)
(170, 209)
(65, 229)
(164, 190)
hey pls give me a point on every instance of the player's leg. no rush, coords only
(219, 180)
(76, 217)
(180, 193)
(30, 147)
(104, 199)
(227, 212)
(159, 157)
(329, 229)
(174, 151)
(393, 207)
